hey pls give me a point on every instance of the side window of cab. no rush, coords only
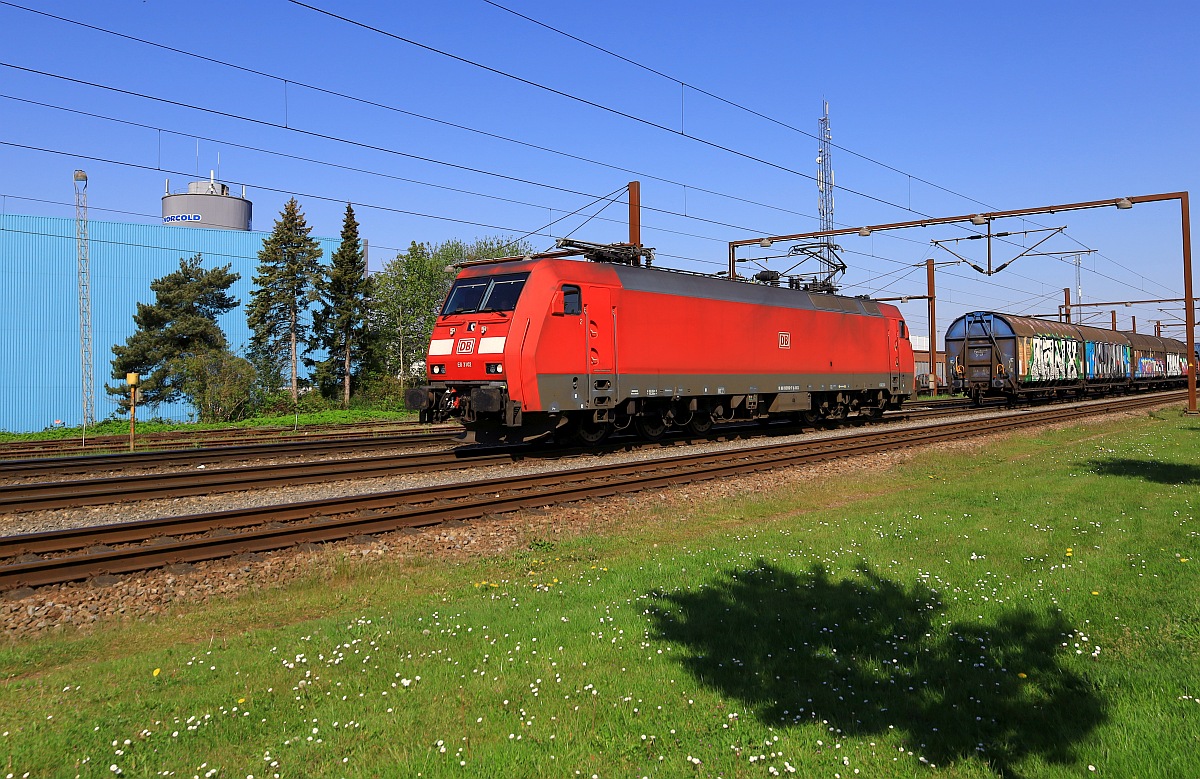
(903, 329)
(572, 300)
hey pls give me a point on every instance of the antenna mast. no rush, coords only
(85, 301)
(825, 251)
(825, 172)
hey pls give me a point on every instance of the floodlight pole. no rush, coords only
(1122, 203)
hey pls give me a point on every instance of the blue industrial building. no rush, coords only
(39, 306)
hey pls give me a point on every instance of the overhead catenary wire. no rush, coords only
(364, 171)
(365, 101)
(338, 139)
(286, 126)
(734, 104)
(326, 198)
(778, 122)
(614, 111)
(473, 130)
(416, 115)
(592, 103)
(906, 267)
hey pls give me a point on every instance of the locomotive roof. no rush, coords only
(685, 283)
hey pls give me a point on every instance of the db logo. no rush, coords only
(785, 340)
(466, 345)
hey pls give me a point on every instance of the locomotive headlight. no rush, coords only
(437, 369)
(494, 367)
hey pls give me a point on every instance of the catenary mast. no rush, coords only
(85, 301)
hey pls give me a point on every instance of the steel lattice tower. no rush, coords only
(825, 251)
(85, 301)
(824, 172)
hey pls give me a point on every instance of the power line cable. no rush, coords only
(584, 101)
(773, 120)
(602, 107)
(338, 139)
(734, 104)
(389, 151)
(313, 196)
(364, 101)
(277, 190)
(91, 206)
(546, 149)
(413, 114)
(380, 105)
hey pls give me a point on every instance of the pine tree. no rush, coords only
(181, 322)
(340, 324)
(284, 289)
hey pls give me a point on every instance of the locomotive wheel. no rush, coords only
(836, 412)
(592, 433)
(651, 427)
(700, 423)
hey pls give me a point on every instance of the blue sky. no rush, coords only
(1013, 105)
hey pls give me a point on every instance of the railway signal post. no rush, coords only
(132, 379)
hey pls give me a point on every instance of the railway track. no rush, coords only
(200, 438)
(90, 463)
(90, 492)
(69, 555)
(34, 496)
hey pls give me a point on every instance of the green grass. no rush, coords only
(1026, 610)
(120, 427)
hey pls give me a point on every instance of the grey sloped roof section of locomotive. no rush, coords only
(709, 288)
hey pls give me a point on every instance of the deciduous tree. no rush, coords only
(410, 290)
(218, 383)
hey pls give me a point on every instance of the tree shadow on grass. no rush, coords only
(1150, 470)
(865, 654)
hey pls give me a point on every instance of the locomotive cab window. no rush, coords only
(903, 329)
(572, 300)
(485, 293)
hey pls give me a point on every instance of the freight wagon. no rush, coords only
(1017, 357)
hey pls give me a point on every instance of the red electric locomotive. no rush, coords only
(528, 346)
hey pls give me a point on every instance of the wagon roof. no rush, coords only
(1028, 326)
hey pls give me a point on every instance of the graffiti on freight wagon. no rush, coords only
(1050, 359)
(1175, 364)
(1107, 361)
(1150, 367)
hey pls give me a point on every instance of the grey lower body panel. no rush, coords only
(559, 393)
